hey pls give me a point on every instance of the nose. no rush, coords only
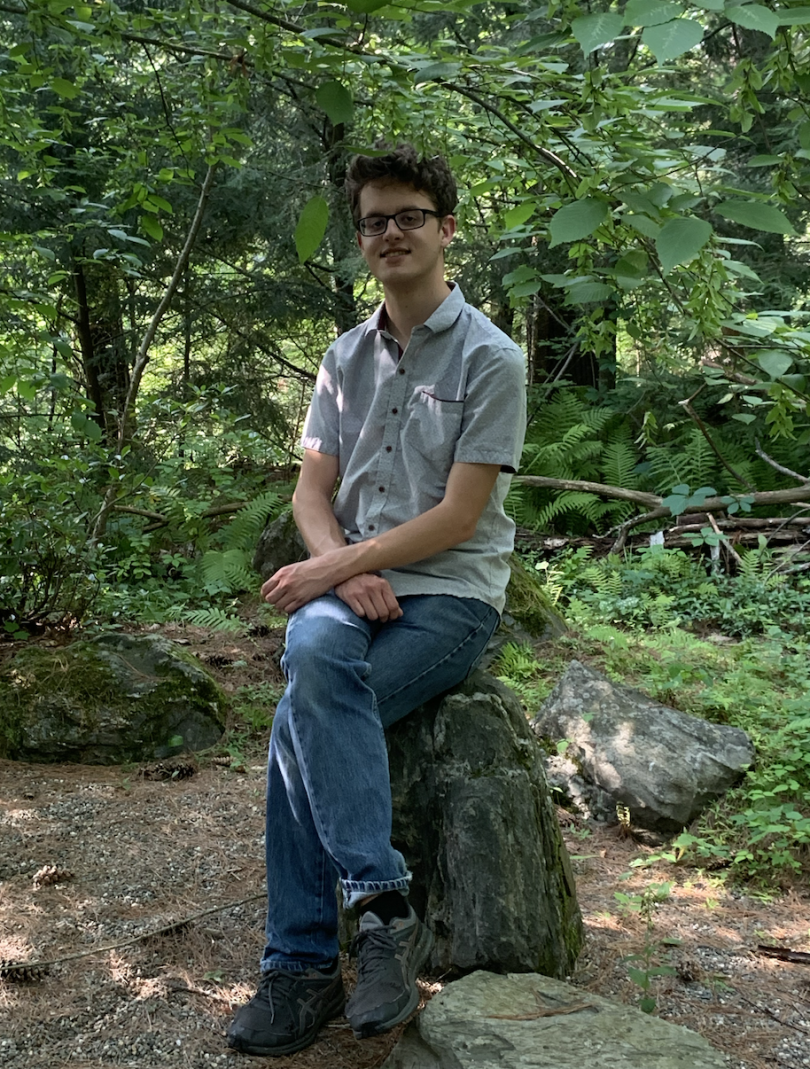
(389, 221)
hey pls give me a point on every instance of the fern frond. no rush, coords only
(212, 618)
(619, 461)
(244, 529)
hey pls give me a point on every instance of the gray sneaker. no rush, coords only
(389, 958)
(287, 1012)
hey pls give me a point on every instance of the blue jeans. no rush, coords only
(328, 791)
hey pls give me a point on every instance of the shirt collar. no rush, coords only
(442, 319)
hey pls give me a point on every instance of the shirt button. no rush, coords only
(388, 449)
(381, 489)
(371, 527)
(402, 371)
(394, 411)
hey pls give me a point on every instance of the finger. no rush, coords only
(392, 606)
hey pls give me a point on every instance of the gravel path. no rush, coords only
(143, 855)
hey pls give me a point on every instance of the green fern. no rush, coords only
(619, 463)
(228, 569)
(212, 618)
(690, 461)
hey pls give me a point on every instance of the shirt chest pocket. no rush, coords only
(431, 430)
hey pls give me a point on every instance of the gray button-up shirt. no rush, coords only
(399, 423)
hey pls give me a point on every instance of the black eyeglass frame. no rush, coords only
(404, 211)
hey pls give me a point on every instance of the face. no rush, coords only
(404, 258)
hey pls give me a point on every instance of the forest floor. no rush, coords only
(138, 855)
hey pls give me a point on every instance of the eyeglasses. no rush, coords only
(409, 219)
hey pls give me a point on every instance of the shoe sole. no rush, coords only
(420, 956)
(335, 1010)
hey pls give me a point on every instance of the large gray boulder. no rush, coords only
(485, 1021)
(280, 544)
(113, 699)
(625, 749)
(474, 820)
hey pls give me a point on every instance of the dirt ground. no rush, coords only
(124, 856)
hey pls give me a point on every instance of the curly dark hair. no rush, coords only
(402, 164)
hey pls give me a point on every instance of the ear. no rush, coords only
(448, 229)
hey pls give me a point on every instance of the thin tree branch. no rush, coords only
(569, 174)
(142, 357)
(687, 407)
(785, 471)
(285, 24)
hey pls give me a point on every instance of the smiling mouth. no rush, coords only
(395, 252)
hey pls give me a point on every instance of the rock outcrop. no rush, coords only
(484, 1021)
(113, 699)
(474, 820)
(625, 749)
(280, 544)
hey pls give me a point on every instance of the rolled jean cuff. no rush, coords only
(355, 891)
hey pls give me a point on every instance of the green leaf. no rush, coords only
(152, 227)
(577, 220)
(650, 12)
(64, 88)
(672, 39)
(794, 16)
(756, 215)
(774, 362)
(594, 30)
(311, 227)
(744, 417)
(524, 273)
(588, 292)
(643, 224)
(518, 215)
(434, 72)
(336, 100)
(681, 240)
(754, 17)
(525, 289)
(365, 7)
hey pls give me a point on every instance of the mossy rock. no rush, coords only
(528, 602)
(113, 699)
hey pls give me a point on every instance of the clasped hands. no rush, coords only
(367, 595)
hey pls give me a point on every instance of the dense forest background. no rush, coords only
(175, 256)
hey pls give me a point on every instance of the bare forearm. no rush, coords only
(419, 538)
(317, 523)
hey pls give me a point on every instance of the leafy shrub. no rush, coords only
(658, 587)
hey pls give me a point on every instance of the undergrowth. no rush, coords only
(733, 651)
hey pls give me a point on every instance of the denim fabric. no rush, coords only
(328, 791)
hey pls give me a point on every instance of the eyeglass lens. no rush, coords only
(411, 219)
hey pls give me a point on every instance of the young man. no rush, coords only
(419, 415)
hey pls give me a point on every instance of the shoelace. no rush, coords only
(277, 978)
(378, 945)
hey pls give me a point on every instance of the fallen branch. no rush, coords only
(160, 520)
(16, 970)
(784, 471)
(798, 957)
(657, 510)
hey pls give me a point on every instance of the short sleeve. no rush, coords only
(494, 421)
(322, 423)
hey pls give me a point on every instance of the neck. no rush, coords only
(408, 309)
